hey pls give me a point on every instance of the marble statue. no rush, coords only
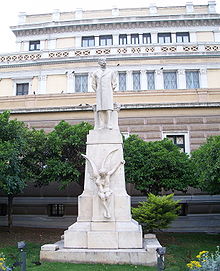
(104, 83)
(102, 180)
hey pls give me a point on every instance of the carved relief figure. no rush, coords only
(102, 180)
(104, 83)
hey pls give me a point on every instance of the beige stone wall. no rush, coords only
(6, 87)
(171, 11)
(203, 36)
(149, 124)
(56, 83)
(213, 78)
(38, 18)
(74, 99)
(66, 16)
(63, 43)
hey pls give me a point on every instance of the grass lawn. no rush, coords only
(181, 248)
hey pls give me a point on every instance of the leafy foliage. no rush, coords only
(206, 161)
(153, 166)
(13, 144)
(63, 162)
(157, 212)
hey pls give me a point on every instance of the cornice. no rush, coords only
(123, 107)
(116, 24)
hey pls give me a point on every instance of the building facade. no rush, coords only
(167, 61)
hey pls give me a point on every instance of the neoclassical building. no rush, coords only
(167, 61)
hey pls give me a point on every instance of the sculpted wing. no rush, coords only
(95, 172)
(104, 161)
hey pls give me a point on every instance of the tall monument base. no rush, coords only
(145, 256)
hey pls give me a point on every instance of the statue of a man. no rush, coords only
(104, 83)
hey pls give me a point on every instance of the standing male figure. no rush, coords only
(104, 83)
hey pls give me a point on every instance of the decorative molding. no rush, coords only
(123, 107)
(116, 23)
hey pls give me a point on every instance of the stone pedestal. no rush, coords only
(92, 229)
(97, 237)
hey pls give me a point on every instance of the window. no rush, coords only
(164, 38)
(81, 83)
(3, 209)
(56, 210)
(150, 80)
(170, 81)
(178, 140)
(182, 37)
(88, 41)
(123, 39)
(146, 38)
(192, 79)
(136, 80)
(134, 38)
(34, 45)
(105, 40)
(22, 89)
(181, 139)
(122, 81)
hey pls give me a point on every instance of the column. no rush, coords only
(129, 81)
(212, 6)
(143, 80)
(153, 9)
(78, 13)
(26, 46)
(173, 37)
(42, 84)
(159, 79)
(193, 37)
(129, 39)
(56, 15)
(115, 38)
(181, 79)
(154, 37)
(189, 7)
(203, 78)
(115, 11)
(96, 41)
(22, 18)
(51, 44)
(90, 89)
(78, 41)
(70, 82)
(216, 36)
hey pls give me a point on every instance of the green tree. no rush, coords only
(63, 161)
(153, 166)
(206, 161)
(13, 144)
(157, 212)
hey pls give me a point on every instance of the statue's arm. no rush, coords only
(116, 167)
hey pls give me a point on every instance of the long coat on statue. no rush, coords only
(104, 82)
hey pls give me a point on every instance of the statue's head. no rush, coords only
(102, 61)
(103, 172)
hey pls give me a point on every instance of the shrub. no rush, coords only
(206, 161)
(157, 212)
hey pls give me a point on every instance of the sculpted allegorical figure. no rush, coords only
(104, 83)
(102, 180)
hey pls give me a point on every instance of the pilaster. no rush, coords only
(159, 79)
(181, 79)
